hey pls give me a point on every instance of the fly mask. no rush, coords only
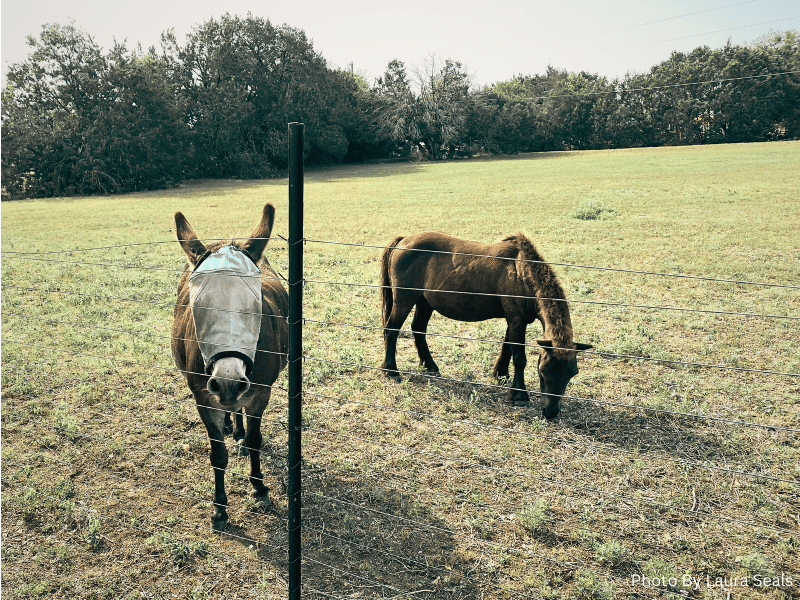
(225, 297)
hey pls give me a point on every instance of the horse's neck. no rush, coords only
(554, 314)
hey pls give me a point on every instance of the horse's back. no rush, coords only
(459, 278)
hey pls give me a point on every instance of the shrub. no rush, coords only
(611, 554)
(533, 517)
(593, 210)
(589, 585)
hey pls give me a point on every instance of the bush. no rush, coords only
(589, 585)
(593, 210)
(533, 517)
(611, 554)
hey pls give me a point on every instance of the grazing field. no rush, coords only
(676, 454)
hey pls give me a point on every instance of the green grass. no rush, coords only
(103, 448)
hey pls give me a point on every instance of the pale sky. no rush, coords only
(493, 39)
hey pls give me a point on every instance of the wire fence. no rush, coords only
(390, 490)
(665, 461)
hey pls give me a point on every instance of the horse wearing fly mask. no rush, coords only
(229, 339)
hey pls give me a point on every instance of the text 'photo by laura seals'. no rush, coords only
(687, 581)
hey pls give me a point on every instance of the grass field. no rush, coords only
(431, 488)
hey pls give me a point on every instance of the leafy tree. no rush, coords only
(76, 121)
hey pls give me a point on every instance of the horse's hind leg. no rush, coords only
(400, 310)
(500, 370)
(419, 325)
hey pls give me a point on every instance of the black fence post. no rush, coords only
(295, 351)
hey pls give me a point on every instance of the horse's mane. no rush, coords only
(542, 282)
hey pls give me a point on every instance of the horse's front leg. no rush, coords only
(500, 370)
(214, 420)
(252, 440)
(239, 433)
(516, 339)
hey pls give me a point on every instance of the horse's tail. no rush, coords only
(386, 282)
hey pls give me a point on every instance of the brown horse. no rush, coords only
(229, 339)
(471, 281)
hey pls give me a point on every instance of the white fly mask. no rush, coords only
(225, 296)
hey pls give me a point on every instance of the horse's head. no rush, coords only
(225, 300)
(556, 367)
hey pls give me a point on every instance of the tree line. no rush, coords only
(76, 120)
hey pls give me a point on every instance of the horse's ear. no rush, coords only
(546, 344)
(580, 346)
(260, 236)
(192, 247)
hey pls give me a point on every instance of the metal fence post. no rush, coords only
(295, 350)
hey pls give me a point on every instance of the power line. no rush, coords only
(685, 37)
(699, 12)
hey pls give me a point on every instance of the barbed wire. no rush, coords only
(133, 362)
(166, 304)
(472, 538)
(517, 512)
(144, 268)
(385, 329)
(439, 378)
(224, 557)
(557, 483)
(136, 333)
(600, 353)
(135, 244)
(67, 432)
(550, 263)
(516, 297)
(554, 439)
(146, 485)
(23, 256)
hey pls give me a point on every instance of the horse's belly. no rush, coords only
(465, 307)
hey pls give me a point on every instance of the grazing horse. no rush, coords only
(229, 339)
(471, 281)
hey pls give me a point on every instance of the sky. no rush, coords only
(494, 40)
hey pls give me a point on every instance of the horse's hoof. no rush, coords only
(261, 500)
(243, 451)
(434, 374)
(395, 378)
(219, 525)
